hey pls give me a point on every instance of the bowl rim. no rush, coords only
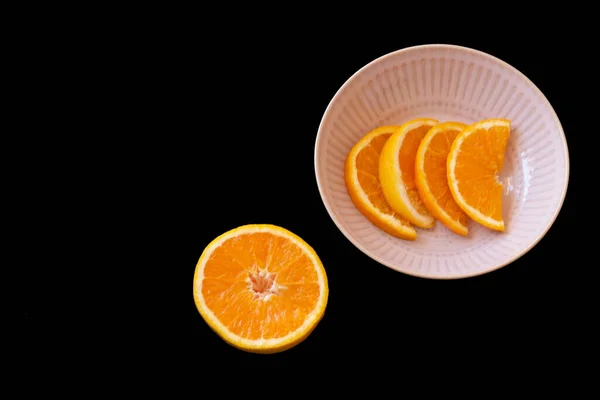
(374, 256)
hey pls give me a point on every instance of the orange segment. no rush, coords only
(431, 176)
(474, 163)
(397, 171)
(361, 174)
(261, 288)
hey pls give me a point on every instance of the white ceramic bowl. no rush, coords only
(448, 82)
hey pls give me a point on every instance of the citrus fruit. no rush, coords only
(475, 160)
(361, 174)
(397, 171)
(261, 288)
(431, 176)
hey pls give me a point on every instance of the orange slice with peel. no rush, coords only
(361, 175)
(397, 171)
(261, 288)
(431, 176)
(474, 163)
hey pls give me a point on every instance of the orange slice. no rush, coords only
(474, 162)
(431, 176)
(361, 174)
(397, 171)
(261, 288)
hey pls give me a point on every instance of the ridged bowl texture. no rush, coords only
(448, 83)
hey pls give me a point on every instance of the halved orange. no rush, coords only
(431, 176)
(397, 171)
(474, 163)
(361, 174)
(261, 288)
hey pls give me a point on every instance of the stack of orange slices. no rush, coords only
(423, 171)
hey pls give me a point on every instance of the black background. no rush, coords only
(216, 125)
(272, 92)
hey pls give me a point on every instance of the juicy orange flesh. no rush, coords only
(435, 168)
(407, 154)
(367, 165)
(477, 167)
(254, 304)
